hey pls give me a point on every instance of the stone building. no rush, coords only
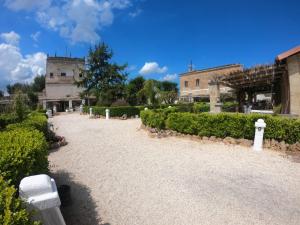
(60, 89)
(194, 84)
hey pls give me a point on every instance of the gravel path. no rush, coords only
(120, 176)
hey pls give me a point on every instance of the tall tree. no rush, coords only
(102, 78)
(38, 84)
(132, 90)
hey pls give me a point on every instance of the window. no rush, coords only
(63, 74)
(197, 83)
(186, 83)
(51, 75)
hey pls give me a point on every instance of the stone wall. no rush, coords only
(293, 64)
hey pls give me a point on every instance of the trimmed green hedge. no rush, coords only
(114, 111)
(23, 152)
(224, 124)
(12, 209)
(34, 120)
(6, 119)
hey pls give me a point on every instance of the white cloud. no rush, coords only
(170, 77)
(14, 67)
(135, 13)
(77, 20)
(35, 36)
(131, 68)
(28, 5)
(152, 68)
(11, 38)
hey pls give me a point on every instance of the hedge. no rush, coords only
(23, 152)
(224, 124)
(114, 111)
(34, 120)
(12, 209)
(6, 119)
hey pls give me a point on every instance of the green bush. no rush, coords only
(12, 209)
(201, 107)
(223, 124)
(34, 120)
(6, 119)
(23, 152)
(229, 106)
(114, 111)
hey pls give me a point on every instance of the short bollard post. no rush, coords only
(91, 112)
(40, 193)
(107, 114)
(259, 135)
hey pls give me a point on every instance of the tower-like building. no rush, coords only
(60, 88)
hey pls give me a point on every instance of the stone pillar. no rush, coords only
(293, 64)
(44, 104)
(214, 96)
(70, 104)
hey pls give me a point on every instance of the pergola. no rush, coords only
(257, 80)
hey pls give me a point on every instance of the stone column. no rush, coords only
(214, 96)
(293, 64)
(70, 104)
(44, 104)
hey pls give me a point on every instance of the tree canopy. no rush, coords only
(102, 78)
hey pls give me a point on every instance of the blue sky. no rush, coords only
(156, 38)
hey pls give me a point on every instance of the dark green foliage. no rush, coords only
(104, 79)
(12, 209)
(6, 119)
(23, 152)
(223, 124)
(132, 90)
(114, 111)
(229, 106)
(201, 107)
(34, 120)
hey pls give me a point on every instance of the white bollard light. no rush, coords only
(170, 107)
(146, 108)
(40, 193)
(81, 109)
(91, 112)
(107, 113)
(259, 135)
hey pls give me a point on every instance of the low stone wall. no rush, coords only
(268, 144)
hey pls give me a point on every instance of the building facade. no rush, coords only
(60, 89)
(194, 84)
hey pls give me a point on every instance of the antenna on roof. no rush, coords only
(191, 66)
(66, 51)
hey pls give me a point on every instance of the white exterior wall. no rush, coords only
(62, 88)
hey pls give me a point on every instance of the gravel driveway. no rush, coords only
(120, 176)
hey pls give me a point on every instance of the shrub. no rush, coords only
(201, 107)
(229, 106)
(223, 124)
(6, 119)
(34, 120)
(114, 111)
(12, 210)
(23, 152)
